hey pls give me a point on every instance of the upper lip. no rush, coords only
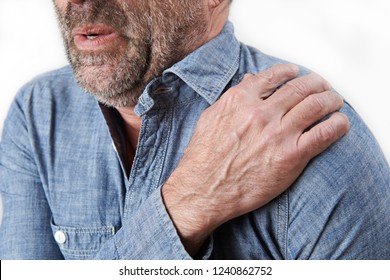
(93, 29)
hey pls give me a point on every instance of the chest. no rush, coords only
(86, 180)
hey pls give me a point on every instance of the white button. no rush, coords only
(60, 237)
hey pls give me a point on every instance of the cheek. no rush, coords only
(61, 4)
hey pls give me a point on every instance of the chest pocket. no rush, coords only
(79, 243)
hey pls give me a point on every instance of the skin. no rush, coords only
(217, 178)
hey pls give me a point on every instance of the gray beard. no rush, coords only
(113, 80)
(117, 77)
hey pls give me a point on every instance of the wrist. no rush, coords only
(193, 222)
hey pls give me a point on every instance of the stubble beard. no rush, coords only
(156, 37)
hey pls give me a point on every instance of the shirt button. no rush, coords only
(60, 237)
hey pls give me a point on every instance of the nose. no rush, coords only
(76, 1)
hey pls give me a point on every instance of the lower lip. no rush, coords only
(99, 42)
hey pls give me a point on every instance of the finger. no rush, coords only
(296, 90)
(312, 109)
(322, 135)
(261, 85)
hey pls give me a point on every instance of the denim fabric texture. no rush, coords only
(66, 194)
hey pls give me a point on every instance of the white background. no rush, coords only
(346, 41)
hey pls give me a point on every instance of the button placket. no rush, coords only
(149, 157)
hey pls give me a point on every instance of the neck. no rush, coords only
(216, 17)
(132, 124)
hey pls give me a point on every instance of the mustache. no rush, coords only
(92, 12)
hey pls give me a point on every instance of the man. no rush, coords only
(184, 156)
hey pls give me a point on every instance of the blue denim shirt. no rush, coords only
(66, 193)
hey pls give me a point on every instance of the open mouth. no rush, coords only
(92, 37)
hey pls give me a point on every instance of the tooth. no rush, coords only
(90, 37)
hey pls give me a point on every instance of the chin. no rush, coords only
(107, 86)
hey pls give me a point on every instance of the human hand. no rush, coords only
(249, 147)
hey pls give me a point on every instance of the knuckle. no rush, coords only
(326, 133)
(317, 104)
(248, 82)
(290, 158)
(298, 87)
(239, 89)
(232, 92)
(316, 77)
(257, 115)
(318, 80)
(321, 82)
(247, 76)
(339, 101)
(266, 76)
(232, 96)
(287, 158)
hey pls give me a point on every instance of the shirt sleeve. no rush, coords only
(25, 229)
(149, 234)
(339, 207)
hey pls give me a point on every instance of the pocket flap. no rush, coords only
(80, 242)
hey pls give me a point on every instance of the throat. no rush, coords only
(132, 128)
(130, 155)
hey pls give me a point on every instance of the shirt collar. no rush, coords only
(209, 69)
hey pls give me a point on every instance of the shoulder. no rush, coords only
(49, 99)
(52, 79)
(355, 160)
(58, 83)
(252, 60)
(51, 92)
(52, 83)
(64, 72)
(338, 207)
(357, 143)
(343, 192)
